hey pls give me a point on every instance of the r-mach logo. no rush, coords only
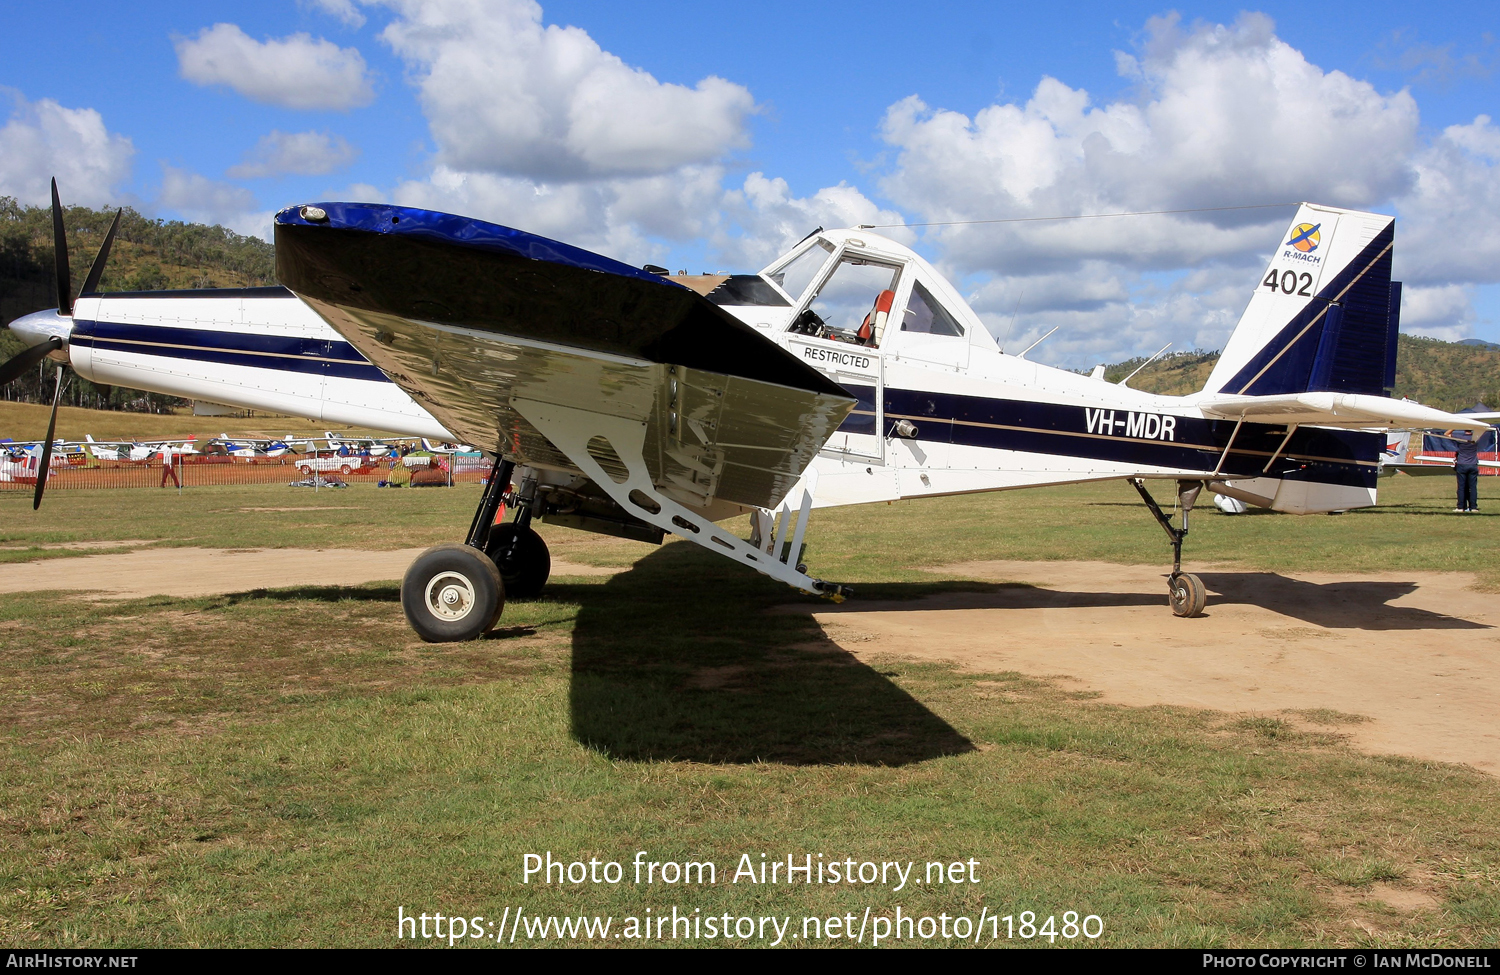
(1141, 426)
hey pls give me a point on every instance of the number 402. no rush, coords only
(1290, 282)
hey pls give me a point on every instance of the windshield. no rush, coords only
(852, 304)
(795, 275)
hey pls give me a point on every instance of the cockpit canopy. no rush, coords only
(862, 289)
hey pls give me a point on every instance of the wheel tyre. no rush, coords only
(344, 468)
(305, 469)
(1187, 595)
(522, 559)
(452, 593)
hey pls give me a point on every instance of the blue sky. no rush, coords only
(629, 151)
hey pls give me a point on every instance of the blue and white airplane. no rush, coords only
(618, 400)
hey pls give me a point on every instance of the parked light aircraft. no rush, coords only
(358, 445)
(250, 447)
(848, 371)
(136, 450)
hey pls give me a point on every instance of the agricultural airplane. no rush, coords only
(622, 401)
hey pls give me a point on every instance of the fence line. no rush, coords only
(191, 472)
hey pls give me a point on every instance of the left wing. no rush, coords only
(500, 334)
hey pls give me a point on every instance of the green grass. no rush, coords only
(287, 767)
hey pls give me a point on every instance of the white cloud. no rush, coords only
(43, 139)
(294, 72)
(300, 153)
(763, 219)
(1444, 311)
(344, 10)
(1218, 116)
(202, 200)
(1449, 230)
(537, 127)
(1218, 110)
(506, 95)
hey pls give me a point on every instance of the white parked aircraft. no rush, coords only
(252, 447)
(847, 372)
(137, 450)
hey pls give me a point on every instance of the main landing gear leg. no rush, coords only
(1185, 591)
(454, 592)
(517, 550)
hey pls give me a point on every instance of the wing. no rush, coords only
(500, 333)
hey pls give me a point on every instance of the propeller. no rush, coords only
(24, 360)
(44, 465)
(60, 252)
(91, 283)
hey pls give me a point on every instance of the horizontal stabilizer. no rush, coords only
(1350, 410)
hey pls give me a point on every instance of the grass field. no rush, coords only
(289, 767)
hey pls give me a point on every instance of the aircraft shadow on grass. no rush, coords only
(677, 659)
(1334, 605)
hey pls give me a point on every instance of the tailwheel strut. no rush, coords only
(1185, 591)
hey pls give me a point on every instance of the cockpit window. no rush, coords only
(924, 314)
(795, 275)
(852, 304)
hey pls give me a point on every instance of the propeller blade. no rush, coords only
(24, 360)
(91, 283)
(44, 466)
(60, 256)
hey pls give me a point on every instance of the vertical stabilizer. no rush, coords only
(1323, 316)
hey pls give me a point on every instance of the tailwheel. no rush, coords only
(452, 593)
(1187, 594)
(522, 558)
(1185, 591)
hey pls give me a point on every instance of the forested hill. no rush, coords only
(148, 255)
(1446, 375)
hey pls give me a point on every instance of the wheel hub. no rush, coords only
(450, 596)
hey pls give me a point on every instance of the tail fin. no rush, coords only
(1325, 314)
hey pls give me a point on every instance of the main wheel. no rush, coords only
(1187, 594)
(452, 593)
(522, 558)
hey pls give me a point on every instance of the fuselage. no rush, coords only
(941, 409)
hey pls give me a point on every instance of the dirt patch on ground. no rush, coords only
(187, 572)
(1416, 653)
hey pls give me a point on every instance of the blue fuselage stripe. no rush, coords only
(286, 353)
(1116, 435)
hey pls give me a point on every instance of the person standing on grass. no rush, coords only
(1466, 469)
(167, 468)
